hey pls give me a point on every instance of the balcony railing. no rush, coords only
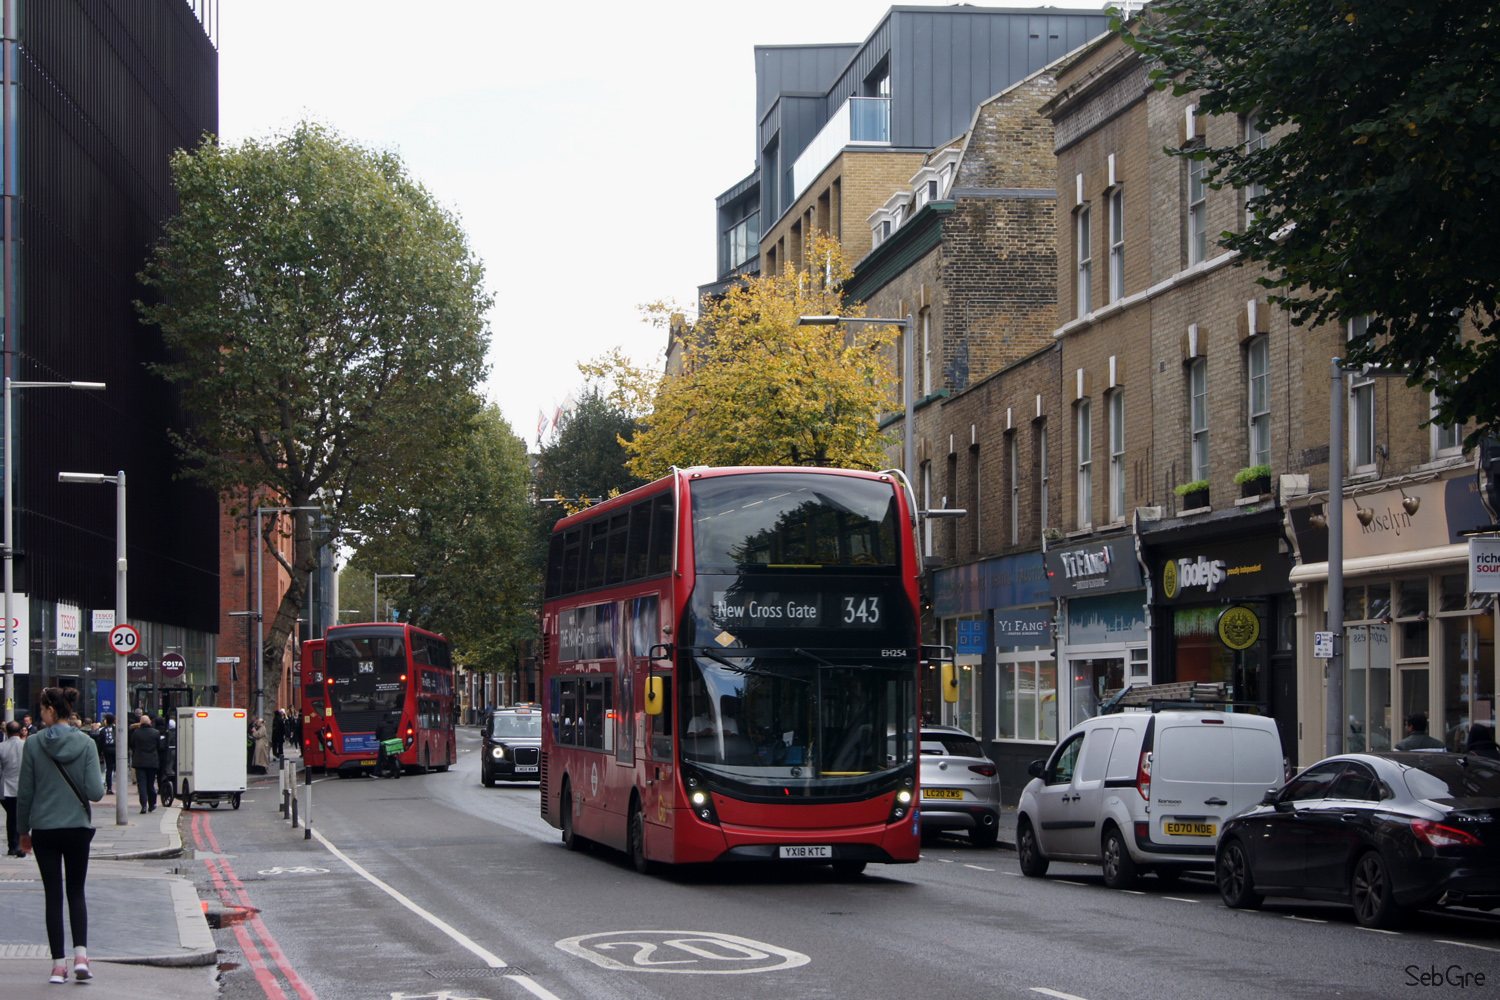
(859, 121)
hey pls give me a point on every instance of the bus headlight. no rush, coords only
(702, 804)
(903, 797)
(699, 798)
(901, 802)
(498, 753)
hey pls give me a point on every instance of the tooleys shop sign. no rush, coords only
(1236, 570)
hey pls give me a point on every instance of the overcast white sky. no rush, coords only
(581, 143)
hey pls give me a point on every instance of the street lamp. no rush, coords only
(121, 568)
(908, 379)
(387, 576)
(9, 550)
(260, 609)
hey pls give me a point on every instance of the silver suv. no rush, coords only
(960, 785)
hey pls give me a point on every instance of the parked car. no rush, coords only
(1383, 832)
(960, 785)
(1145, 791)
(511, 745)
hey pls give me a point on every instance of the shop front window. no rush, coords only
(1094, 681)
(966, 636)
(1367, 688)
(1203, 658)
(1026, 695)
(1468, 677)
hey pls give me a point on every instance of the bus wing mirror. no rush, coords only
(653, 696)
(950, 683)
(937, 654)
(660, 651)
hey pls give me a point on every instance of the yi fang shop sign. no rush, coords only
(1212, 573)
(1095, 568)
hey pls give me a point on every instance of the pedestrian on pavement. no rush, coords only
(10, 780)
(27, 725)
(278, 732)
(1416, 734)
(1482, 742)
(146, 760)
(59, 778)
(261, 761)
(105, 740)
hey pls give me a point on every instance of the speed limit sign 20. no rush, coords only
(124, 639)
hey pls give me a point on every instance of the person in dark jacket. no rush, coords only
(104, 738)
(59, 778)
(1482, 742)
(388, 729)
(146, 759)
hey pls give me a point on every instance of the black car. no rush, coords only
(1385, 832)
(512, 745)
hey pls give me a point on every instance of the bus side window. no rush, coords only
(661, 725)
(572, 559)
(554, 567)
(637, 562)
(663, 531)
(567, 712)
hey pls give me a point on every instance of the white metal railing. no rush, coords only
(859, 121)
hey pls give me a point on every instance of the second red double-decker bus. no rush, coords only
(363, 677)
(730, 670)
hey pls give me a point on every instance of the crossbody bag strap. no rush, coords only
(87, 809)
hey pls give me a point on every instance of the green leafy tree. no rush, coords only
(1383, 178)
(466, 537)
(758, 389)
(326, 320)
(586, 457)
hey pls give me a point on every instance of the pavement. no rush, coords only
(148, 937)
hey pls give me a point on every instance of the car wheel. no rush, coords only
(1371, 893)
(1236, 884)
(1119, 868)
(1029, 852)
(984, 836)
(849, 869)
(486, 778)
(637, 836)
(570, 839)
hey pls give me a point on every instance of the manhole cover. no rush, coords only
(481, 973)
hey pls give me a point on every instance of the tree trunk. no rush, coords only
(293, 603)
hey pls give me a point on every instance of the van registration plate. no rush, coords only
(1191, 829)
(942, 793)
(807, 851)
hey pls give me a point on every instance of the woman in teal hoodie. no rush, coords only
(59, 770)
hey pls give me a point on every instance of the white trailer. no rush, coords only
(210, 755)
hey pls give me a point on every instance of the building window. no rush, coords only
(1015, 492)
(1085, 263)
(1117, 455)
(1041, 452)
(1361, 411)
(1085, 463)
(1117, 245)
(1198, 407)
(1197, 211)
(1026, 695)
(927, 360)
(927, 505)
(742, 241)
(1258, 360)
(1255, 141)
(1447, 439)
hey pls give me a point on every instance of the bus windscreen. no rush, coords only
(366, 673)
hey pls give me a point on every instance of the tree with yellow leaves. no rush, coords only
(758, 389)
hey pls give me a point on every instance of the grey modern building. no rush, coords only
(911, 86)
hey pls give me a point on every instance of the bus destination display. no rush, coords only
(771, 609)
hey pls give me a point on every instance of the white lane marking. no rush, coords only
(1056, 993)
(1305, 920)
(1138, 892)
(978, 869)
(1465, 944)
(1012, 874)
(1179, 899)
(489, 958)
(1063, 881)
(536, 989)
(946, 861)
(1378, 930)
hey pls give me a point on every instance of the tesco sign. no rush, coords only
(1484, 565)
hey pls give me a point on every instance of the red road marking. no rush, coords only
(229, 886)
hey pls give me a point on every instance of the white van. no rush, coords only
(1145, 791)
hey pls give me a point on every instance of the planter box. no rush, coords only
(1257, 487)
(1195, 499)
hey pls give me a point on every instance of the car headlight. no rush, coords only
(498, 753)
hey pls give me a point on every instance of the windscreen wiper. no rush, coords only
(847, 666)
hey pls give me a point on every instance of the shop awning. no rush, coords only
(1414, 561)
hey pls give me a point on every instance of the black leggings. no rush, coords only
(54, 849)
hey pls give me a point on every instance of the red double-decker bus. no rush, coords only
(730, 670)
(360, 676)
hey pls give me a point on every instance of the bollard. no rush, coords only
(307, 814)
(281, 783)
(294, 812)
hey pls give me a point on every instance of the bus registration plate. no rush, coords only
(526, 768)
(807, 851)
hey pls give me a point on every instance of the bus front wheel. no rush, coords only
(637, 836)
(570, 837)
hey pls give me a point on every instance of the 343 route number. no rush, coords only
(861, 610)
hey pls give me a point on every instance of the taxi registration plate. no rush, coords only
(1191, 829)
(942, 793)
(526, 768)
